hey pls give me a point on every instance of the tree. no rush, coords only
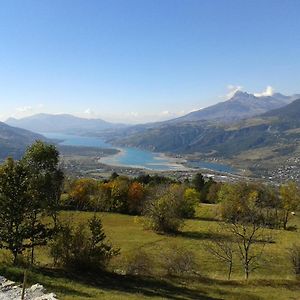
(114, 175)
(119, 194)
(45, 181)
(136, 194)
(212, 195)
(241, 205)
(290, 200)
(198, 182)
(251, 240)
(82, 192)
(223, 250)
(190, 200)
(166, 210)
(163, 215)
(238, 203)
(15, 227)
(163, 212)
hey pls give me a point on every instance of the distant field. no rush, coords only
(273, 280)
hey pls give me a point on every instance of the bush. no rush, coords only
(80, 248)
(189, 202)
(178, 260)
(295, 259)
(139, 263)
(163, 215)
(166, 211)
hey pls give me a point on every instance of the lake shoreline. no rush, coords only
(137, 158)
(175, 164)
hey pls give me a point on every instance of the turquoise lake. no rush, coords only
(133, 157)
(130, 157)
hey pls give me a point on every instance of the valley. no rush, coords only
(265, 146)
(149, 150)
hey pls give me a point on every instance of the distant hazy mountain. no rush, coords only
(13, 141)
(241, 105)
(62, 123)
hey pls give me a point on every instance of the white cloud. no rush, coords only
(195, 109)
(134, 114)
(24, 109)
(140, 117)
(269, 91)
(232, 89)
(88, 111)
(165, 113)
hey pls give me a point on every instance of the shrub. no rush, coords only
(80, 248)
(139, 263)
(163, 215)
(166, 211)
(178, 260)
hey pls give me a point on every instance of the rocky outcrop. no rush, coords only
(10, 291)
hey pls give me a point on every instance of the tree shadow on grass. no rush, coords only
(275, 283)
(208, 219)
(196, 235)
(16, 274)
(145, 286)
(65, 283)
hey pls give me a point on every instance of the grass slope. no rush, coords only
(273, 280)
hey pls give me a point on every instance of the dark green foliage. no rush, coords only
(205, 190)
(15, 226)
(198, 182)
(212, 194)
(29, 190)
(114, 175)
(153, 179)
(82, 249)
(45, 181)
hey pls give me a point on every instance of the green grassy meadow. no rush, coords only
(274, 279)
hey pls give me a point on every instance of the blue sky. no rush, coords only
(142, 60)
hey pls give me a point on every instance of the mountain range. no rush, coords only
(228, 128)
(62, 123)
(240, 105)
(278, 127)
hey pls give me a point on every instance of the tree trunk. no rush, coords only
(246, 271)
(285, 220)
(32, 253)
(15, 254)
(229, 270)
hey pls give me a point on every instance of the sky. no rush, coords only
(143, 60)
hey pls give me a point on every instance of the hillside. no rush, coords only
(128, 234)
(62, 123)
(272, 128)
(290, 112)
(13, 141)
